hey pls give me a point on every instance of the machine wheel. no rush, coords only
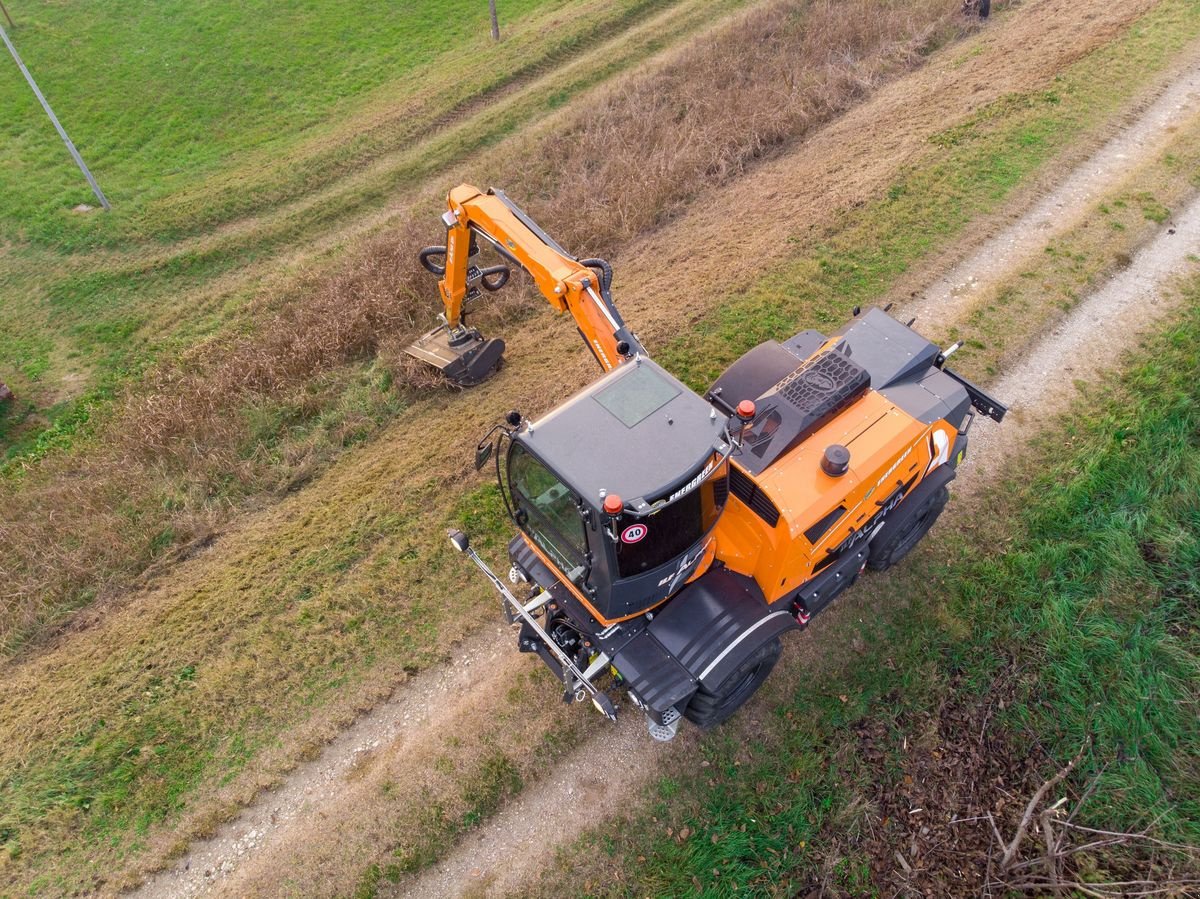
(708, 709)
(905, 530)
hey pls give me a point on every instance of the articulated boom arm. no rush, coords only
(580, 287)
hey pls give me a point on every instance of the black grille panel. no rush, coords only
(821, 528)
(752, 495)
(720, 489)
(823, 387)
(801, 404)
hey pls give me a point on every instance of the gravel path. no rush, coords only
(281, 814)
(1147, 134)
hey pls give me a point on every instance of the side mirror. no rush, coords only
(459, 540)
(483, 452)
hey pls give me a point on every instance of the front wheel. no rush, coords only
(710, 708)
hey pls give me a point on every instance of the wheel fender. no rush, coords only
(934, 481)
(715, 623)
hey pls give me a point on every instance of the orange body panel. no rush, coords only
(888, 447)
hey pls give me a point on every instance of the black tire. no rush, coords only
(708, 709)
(905, 530)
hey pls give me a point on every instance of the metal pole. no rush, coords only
(53, 118)
(495, 21)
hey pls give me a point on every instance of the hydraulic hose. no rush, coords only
(493, 278)
(427, 262)
(501, 274)
(605, 271)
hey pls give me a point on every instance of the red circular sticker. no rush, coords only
(634, 533)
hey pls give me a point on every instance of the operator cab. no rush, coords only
(640, 435)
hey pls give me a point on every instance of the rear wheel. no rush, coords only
(908, 525)
(709, 708)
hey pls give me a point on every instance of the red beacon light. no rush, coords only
(613, 504)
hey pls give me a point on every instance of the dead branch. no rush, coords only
(1010, 850)
(1142, 835)
(1052, 854)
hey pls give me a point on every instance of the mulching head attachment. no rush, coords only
(464, 356)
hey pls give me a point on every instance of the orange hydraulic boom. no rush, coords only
(578, 286)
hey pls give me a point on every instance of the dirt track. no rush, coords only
(321, 802)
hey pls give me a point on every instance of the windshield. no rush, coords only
(646, 542)
(553, 521)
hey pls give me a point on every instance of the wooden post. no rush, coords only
(495, 21)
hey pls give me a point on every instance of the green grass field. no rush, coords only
(1076, 626)
(159, 97)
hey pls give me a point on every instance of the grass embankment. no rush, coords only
(313, 615)
(254, 97)
(82, 323)
(254, 411)
(1065, 617)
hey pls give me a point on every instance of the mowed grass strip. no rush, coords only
(972, 169)
(1065, 618)
(194, 692)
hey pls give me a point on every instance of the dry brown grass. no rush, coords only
(645, 150)
(182, 449)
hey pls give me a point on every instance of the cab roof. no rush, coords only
(637, 432)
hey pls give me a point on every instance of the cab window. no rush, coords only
(553, 520)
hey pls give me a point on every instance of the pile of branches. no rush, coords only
(1051, 854)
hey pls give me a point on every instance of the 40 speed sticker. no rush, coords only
(634, 533)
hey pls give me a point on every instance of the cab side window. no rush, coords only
(554, 523)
